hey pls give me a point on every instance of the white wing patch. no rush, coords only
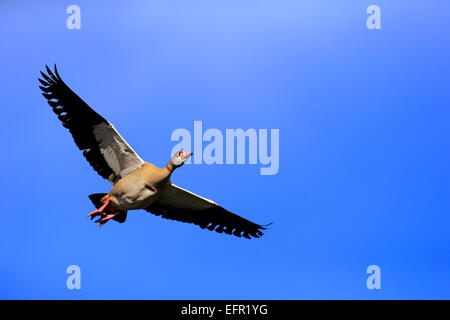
(117, 152)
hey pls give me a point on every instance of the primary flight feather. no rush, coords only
(136, 184)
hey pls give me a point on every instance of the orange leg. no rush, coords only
(99, 211)
(106, 217)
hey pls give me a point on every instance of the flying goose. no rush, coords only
(136, 184)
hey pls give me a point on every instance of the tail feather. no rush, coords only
(96, 199)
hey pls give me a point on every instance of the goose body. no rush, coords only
(136, 184)
(140, 188)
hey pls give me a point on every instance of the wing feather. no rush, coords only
(179, 204)
(103, 147)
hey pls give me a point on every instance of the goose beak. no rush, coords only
(186, 155)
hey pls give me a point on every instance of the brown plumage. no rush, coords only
(136, 184)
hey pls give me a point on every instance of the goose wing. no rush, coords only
(179, 204)
(103, 147)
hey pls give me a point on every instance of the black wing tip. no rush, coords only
(44, 83)
(243, 233)
(51, 77)
(258, 233)
(56, 72)
(265, 226)
(49, 71)
(252, 234)
(255, 232)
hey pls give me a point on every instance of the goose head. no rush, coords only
(179, 158)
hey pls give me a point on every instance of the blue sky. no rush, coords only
(364, 147)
